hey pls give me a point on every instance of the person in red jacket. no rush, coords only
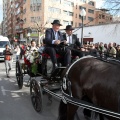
(8, 57)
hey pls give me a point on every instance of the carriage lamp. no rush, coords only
(83, 14)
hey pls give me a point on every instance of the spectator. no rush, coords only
(17, 50)
(112, 51)
(21, 51)
(102, 50)
(96, 45)
(118, 52)
(8, 57)
(93, 51)
(105, 46)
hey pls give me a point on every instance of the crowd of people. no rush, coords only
(103, 50)
(52, 41)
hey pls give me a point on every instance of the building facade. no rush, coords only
(103, 16)
(24, 16)
(4, 17)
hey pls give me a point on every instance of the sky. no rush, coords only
(98, 5)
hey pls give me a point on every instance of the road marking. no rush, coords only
(3, 91)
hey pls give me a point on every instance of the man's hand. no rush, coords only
(57, 42)
(65, 42)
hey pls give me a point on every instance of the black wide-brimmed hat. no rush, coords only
(56, 22)
(69, 27)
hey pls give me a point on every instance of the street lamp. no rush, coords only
(83, 14)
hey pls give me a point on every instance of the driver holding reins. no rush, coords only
(72, 41)
(53, 37)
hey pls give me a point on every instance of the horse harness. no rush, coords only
(68, 98)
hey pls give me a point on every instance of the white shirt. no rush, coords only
(17, 50)
(56, 36)
(69, 39)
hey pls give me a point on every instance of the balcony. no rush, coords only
(20, 30)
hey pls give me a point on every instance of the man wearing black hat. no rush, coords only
(53, 37)
(73, 41)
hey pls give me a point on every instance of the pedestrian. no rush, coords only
(111, 50)
(8, 59)
(17, 50)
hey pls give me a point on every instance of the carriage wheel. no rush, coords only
(47, 66)
(36, 95)
(19, 75)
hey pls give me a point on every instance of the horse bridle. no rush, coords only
(66, 81)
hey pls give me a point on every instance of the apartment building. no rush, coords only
(11, 19)
(19, 19)
(25, 16)
(103, 16)
(4, 17)
(37, 14)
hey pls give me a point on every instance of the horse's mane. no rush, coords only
(110, 61)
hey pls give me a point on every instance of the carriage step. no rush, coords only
(53, 87)
(43, 81)
(57, 72)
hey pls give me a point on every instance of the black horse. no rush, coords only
(94, 81)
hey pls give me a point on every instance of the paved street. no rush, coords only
(16, 104)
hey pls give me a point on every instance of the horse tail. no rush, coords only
(62, 115)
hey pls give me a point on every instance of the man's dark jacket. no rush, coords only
(49, 37)
(75, 41)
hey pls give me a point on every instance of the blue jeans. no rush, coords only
(17, 57)
(8, 66)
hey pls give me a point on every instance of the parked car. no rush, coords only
(3, 42)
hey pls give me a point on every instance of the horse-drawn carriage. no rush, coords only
(85, 80)
(39, 64)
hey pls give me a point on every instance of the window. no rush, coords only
(66, 22)
(35, 2)
(35, 19)
(35, 7)
(103, 16)
(91, 11)
(68, 13)
(68, 4)
(90, 18)
(99, 16)
(81, 7)
(56, 1)
(84, 1)
(91, 3)
(84, 17)
(54, 10)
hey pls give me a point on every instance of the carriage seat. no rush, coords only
(27, 62)
(48, 56)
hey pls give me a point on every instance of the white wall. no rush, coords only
(101, 33)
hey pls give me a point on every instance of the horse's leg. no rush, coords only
(62, 111)
(101, 116)
(71, 110)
